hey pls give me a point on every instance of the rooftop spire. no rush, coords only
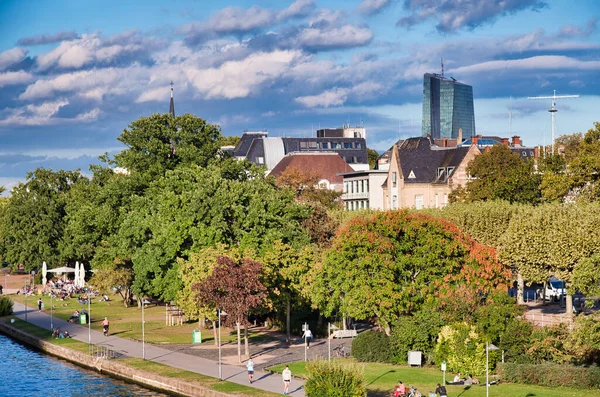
(172, 104)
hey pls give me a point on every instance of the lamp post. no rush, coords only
(25, 290)
(144, 301)
(488, 347)
(89, 320)
(220, 365)
(51, 318)
(329, 328)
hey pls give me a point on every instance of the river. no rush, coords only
(27, 372)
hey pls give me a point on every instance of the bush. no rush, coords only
(516, 340)
(551, 374)
(334, 380)
(462, 348)
(6, 306)
(372, 346)
(418, 332)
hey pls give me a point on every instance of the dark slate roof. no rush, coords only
(326, 165)
(421, 157)
(243, 146)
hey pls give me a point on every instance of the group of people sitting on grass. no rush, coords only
(469, 380)
(402, 391)
(61, 335)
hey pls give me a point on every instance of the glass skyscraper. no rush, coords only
(447, 106)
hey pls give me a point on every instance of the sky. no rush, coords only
(74, 74)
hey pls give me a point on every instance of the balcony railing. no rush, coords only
(355, 196)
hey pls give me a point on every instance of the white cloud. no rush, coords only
(370, 7)
(12, 56)
(44, 114)
(334, 97)
(11, 78)
(339, 37)
(538, 63)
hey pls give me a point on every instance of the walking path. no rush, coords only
(231, 373)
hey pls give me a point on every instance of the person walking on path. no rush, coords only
(105, 325)
(307, 337)
(250, 366)
(287, 379)
(40, 304)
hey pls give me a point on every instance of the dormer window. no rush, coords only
(450, 170)
(440, 172)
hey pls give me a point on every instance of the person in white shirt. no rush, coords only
(457, 378)
(307, 337)
(250, 366)
(287, 379)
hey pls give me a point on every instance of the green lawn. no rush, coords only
(381, 378)
(127, 322)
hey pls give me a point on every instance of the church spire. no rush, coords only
(172, 105)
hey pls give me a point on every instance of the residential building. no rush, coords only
(344, 132)
(327, 166)
(515, 144)
(447, 107)
(259, 148)
(422, 174)
(362, 189)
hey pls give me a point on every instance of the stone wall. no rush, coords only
(114, 368)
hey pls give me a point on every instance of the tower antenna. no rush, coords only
(553, 109)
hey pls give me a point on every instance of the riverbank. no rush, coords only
(174, 367)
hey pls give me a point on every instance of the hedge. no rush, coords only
(551, 374)
(372, 346)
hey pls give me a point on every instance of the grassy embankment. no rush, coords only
(149, 366)
(381, 379)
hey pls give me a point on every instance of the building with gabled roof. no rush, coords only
(327, 166)
(422, 174)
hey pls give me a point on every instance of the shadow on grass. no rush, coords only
(382, 375)
(464, 390)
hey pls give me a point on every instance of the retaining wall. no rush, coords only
(114, 368)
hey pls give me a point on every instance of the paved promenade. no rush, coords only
(231, 373)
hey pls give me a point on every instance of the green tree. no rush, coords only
(462, 348)
(372, 156)
(392, 263)
(160, 142)
(33, 221)
(229, 140)
(499, 174)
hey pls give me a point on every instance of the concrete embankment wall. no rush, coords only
(114, 368)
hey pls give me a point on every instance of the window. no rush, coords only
(260, 160)
(366, 186)
(524, 154)
(419, 201)
(394, 202)
(437, 201)
(354, 159)
(336, 145)
(324, 145)
(312, 145)
(450, 170)
(345, 187)
(357, 145)
(347, 145)
(303, 145)
(440, 172)
(393, 179)
(531, 153)
(359, 160)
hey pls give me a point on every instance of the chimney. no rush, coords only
(475, 140)
(459, 138)
(505, 141)
(516, 140)
(444, 142)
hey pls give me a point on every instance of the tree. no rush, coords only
(372, 155)
(234, 287)
(306, 188)
(499, 174)
(229, 140)
(284, 269)
(161, 142)
(118, 277)
(394, 262)
(33, 222)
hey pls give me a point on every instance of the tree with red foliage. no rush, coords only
(235, 288)
(394, 262)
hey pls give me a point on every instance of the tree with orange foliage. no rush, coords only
(394, 262)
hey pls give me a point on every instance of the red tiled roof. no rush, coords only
(326, 165)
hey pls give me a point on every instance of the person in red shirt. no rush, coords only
(400, 390)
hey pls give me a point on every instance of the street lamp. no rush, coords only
(329, 328)
(220, 365)
(25, 292)
(89, 320)
(51, 318)
(144, 302)
(488, 347)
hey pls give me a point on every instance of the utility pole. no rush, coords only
(553, 109)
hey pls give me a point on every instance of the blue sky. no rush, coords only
(73, 74)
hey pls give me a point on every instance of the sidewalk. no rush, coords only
(231, 373)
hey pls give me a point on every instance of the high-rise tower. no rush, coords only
(447, 107)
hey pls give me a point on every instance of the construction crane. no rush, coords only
(553, 109)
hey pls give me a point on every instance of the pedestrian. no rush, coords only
(307, 337)
(40, 304)
(250, 366)
(105, 325)
(287, 379)
(400, 390)
(441, 391)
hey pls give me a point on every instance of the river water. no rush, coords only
(26, 372)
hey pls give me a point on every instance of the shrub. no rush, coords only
(372, 346)
(418, 332)
(462, 348)
(516, 340)
(548, 344)
(551, 374)
(334, 380)
(6, 306)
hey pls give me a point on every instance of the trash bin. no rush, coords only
(196, 336)
(83, 318)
